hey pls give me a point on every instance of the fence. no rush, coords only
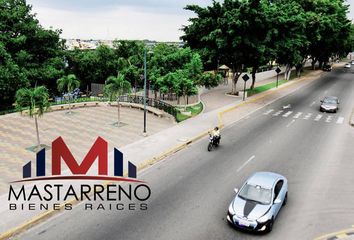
(150, 102)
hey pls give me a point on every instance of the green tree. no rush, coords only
(183, 85)
(224, 31)
(210, 79)
(33, 54)
(289, 38)
(92, 66)
(11, 78)
(36, 101)
(68, 83)
(116, 87)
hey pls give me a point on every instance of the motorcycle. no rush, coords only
(213, 142)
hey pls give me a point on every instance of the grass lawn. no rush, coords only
(263, 88)
(268, 86)
(195, 110)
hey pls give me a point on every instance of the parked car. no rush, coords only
(347, 65)
(258, 202)
(329, 104)
(327, 68)
(352, 62)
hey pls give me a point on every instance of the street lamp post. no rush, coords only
(144, 132)
(277, 70)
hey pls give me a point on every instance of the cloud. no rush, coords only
(104, 5)
(159, 20)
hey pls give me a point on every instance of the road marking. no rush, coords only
(307, 116)
(292, 121)
(278, 113)
(318, 117)
(340, 120)
(329, 119)
(269, 111)
(297, 115)
(313, 103)
(245, 163)
(287, 114)
(287, 106)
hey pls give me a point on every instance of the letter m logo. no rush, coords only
(60, 151)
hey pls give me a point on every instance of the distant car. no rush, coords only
(347, 65)
(258, 202)
(327, 68)
(352, 62)
(329, 104)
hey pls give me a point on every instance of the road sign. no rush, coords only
(245, 77)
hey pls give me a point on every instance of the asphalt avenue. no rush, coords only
(192, 189)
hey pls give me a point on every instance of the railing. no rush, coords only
(150, 102)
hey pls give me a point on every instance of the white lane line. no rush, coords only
(318, 117)
(307, 116)
(313, 103)
(287, 114)
(292, 121)
(340, 120)
(297, 115)
(269, 111)
(287, 106)
(278, 113)
(245, 163)
(329, 119)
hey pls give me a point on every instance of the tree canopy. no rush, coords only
(29, 54)
(249, 33)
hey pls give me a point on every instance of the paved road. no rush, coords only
(191, 190)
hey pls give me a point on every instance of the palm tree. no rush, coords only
(115, 87)
(68, 83)
(36, 100)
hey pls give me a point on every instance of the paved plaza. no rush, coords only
(79, 130)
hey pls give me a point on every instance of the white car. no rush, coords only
(348, 65)
(258, 202)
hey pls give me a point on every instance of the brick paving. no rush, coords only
(79, 130)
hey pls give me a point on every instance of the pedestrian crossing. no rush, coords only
(316, 117)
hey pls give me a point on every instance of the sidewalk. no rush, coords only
(217, 97)
(146, 151)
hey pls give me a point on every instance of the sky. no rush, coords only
(159, 20)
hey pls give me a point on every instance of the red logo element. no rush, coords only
(60, 151)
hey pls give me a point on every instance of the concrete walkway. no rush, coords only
(79, 131)
(156, 146)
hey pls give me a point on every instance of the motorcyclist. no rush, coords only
(215, 134)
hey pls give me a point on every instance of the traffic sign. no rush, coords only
(245, 77)
(278, 70)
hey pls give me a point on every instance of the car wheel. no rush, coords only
(285, 199)
(270, 225)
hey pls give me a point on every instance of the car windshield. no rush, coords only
(330, 100)
(256, 193)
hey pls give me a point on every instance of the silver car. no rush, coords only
(258, 202)
(329, 104)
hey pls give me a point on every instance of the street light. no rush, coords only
(150, 52)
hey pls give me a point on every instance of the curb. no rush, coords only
(343, 234)
(351, 121)
(43, 216)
